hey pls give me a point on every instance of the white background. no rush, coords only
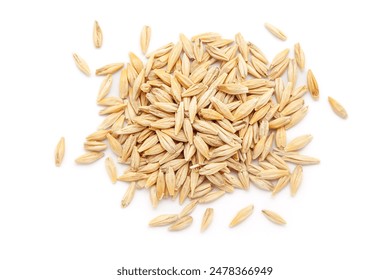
(66, 223)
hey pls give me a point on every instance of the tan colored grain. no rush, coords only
(187, 210)
(242, 46)
(111, 169)
(211, 196)
(97, 35)
(81, 64)
(191, 120)
(115, 145)
(201, 146)
(105, 87)
(59, 152)
(174, 56)
(153, 196)
(145, 38)
(94, 146)
(233, 88)
(273, 174)
(296, 179)
(300, 159)
(273, 217)
(181, 223)
(123, 84)
(163, 220)
(298, 143)
(275, 31)
(281, 184)
(207, 218)
(279, 58)
(132, 177)
(160, 184)
(129, 195)
(170, 180)
(89, 157)
(212, 168)
(109, 69)
(312, 85)
(242, 215)
(299, 56)
(166, 142)
(337, 108)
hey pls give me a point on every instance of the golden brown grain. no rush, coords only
(145, 38)
(312, 85)
(163, 220)
(207, 218)
(81, 64)
(109, 69)
(181, 223)
(273, 217)
(275, 31)
(97, 35)
(337, 108)
(89, 157)
(59, 152)
(201, 118)
(111, 169)
(299, 56)
(242, 215)
(129, 195)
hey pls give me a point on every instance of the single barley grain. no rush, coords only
(145, 38)
(128, 197)
(181, 223)
(89, 157)
(97, 35)
(111, 169)
(337, 108)
(207, 218)
(312, 85)
(299, 56)
(163, 220)
(81, 64)
(59, 152)
(273, 217)
(275, 31)
(296, 179)
(242, 215)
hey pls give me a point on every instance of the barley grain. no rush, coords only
(207, 218)
(163, 220)
(337, 108)
(97, 35)
(111, 169)
(273, 217)
(145, 38)
(59, 152)
(275, 31)
(181, 223)
(81, 64)
(242, 215)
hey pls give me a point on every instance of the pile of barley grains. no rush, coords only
(202, 117)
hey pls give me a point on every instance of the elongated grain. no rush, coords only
(97, 35)
(81, 64)
(145, 38)
(207, 219)
(273, 217)
(242, 215)
(59, 152)
(337, 108)
(111, 170)
(275, 31)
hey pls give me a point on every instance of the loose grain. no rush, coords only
(202, 117)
